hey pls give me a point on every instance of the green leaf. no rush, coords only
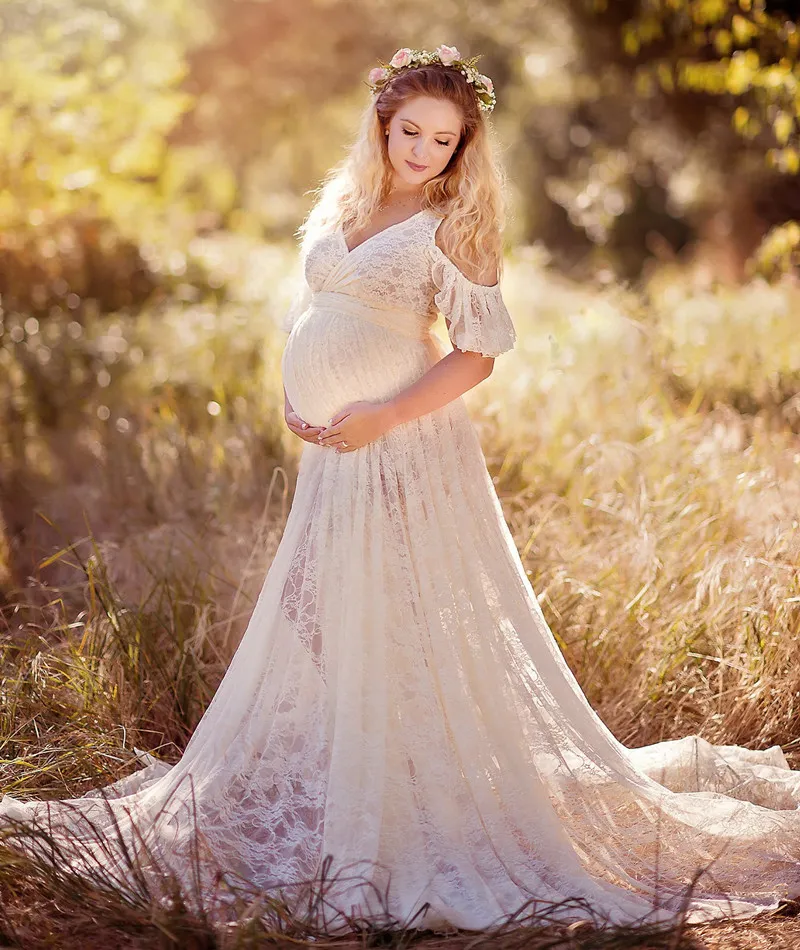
(783, 124)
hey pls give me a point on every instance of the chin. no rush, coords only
(405, 173)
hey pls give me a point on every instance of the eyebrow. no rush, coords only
(410, 122)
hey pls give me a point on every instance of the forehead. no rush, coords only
(438, 115)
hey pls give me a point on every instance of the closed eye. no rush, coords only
(408, 132)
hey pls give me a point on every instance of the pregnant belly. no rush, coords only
(331, 359)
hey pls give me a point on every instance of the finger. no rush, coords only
(338, 417)
(307, 435)
(329, 434)
(297, 428)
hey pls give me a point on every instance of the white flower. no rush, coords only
(486, 82)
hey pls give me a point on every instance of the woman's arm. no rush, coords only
(361, 422)
(451, 377)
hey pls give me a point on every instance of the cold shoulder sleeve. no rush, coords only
(479, 319)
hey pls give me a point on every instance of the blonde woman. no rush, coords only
(398, 716)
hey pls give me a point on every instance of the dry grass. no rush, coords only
(645, 447)
(43, 904)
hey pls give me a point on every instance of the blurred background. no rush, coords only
(155, 160)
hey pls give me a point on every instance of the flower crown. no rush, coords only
(406, 58)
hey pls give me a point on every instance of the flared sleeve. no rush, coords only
(479, 319)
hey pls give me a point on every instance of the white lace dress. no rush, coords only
(398, 702)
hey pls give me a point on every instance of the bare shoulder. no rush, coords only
(483, 272)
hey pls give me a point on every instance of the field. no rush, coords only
(644, 441)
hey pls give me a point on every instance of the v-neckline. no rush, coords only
(349, 251)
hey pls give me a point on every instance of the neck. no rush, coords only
(401, 190)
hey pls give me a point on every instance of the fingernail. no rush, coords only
(305, 425)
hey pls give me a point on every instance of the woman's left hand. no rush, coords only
(357, 423)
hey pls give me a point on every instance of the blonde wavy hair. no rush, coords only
(469, 194)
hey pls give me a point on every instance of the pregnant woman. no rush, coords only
(398, 710)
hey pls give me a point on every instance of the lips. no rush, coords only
(416, 168)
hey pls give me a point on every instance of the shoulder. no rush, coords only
(484, 272)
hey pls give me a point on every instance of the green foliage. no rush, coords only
(729, 48)
(90, 97)
(779, 251)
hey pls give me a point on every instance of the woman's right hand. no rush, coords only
(300, 427)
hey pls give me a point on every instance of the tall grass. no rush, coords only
(644, 443)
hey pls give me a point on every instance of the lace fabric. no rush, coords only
(403, 267)
(398, 701)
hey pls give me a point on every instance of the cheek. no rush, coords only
(446, 158)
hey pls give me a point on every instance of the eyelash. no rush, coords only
(407, 132)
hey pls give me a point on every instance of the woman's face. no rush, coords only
(423, 134)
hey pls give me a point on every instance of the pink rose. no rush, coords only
(401, 58)
(447, 54)
(486, 82)
(376, 74)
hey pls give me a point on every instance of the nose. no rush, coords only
(419, 153)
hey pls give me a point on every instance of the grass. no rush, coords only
(644, 443)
